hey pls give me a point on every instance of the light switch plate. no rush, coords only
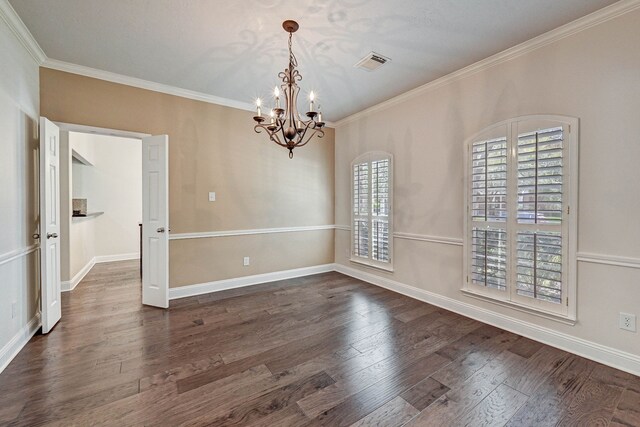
(212, 196)
(245, 261)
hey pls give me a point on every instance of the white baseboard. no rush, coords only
(238, 282)
(118, 257)
(13, 347)
(609, 356)
(70, 285)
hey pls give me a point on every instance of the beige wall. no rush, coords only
(213, 148)
(593, 75)
(19, 110)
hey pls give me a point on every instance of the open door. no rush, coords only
(155, 221)
(49, 224)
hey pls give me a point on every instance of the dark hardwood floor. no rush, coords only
(319, 350)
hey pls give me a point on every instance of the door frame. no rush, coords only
(71, 127)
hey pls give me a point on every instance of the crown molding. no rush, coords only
(95, 73)
(68, 67)
(17, 27)
(605, 14)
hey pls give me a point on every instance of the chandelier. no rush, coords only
(285, 126)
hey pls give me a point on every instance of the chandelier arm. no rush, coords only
(274, 137)
(301, 136)
(319, 133)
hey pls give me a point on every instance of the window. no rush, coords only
(520, 233)
(372, 230)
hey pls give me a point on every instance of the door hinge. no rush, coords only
(467, 279)
(568, 210)
(567, 302)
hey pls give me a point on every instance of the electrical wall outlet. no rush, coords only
(245, 261)
(212, 196)
(628, 322)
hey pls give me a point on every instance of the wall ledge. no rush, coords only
(19, 340)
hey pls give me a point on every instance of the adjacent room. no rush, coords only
(305, 213)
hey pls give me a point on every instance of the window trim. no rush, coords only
(567, 310)
(369, 157)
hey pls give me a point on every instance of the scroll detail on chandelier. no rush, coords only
(284, 126)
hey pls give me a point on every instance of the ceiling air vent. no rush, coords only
(372, 61)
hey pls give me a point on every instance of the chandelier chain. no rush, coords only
(293, 61)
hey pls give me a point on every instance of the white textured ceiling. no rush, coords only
(235, 48)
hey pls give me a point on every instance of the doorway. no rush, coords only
(100, 200)
(138, 169)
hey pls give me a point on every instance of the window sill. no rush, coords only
(567, 320)
(374, 266)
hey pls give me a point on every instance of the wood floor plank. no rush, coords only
(346, 351)
(56, 407)
(536, 369)
(424, 393)
(457, 402)
(552, 398)
(396, 412)
(627, 412)
(525, 347)
(265, 404)
(495, 409)
(371, 398)
(593, 405)
(472, 361)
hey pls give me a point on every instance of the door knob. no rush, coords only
(52, 235)
(160, 230)
(36, 236)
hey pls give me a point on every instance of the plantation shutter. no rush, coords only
(380, 210)
(519, 239)
(371, 208)
(489, 213)
(539, 214)
(361, 210)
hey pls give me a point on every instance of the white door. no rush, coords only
(155, 221)
(49, 224)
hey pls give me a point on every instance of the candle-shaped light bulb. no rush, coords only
(272, 116)
(319, 116)
(276, 93)
(312, 97)
(258, 105)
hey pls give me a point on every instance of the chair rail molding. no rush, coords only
(208, 234)
(18, 253)
(605, 259)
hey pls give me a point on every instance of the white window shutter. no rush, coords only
(371, 208)
(520, 182)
